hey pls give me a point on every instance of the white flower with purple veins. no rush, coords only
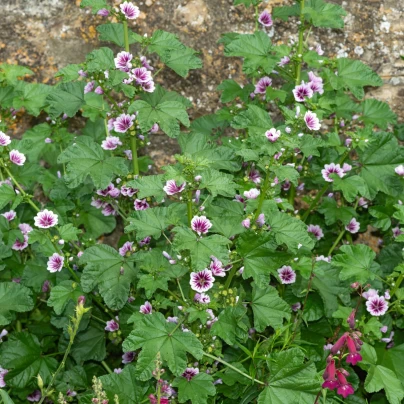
(128, 191)
(89, 87)
(112, 326)
(141, 204)
(346, 167)
(262, 84)
(149, 87)
(3, 372)
(123, 61)
(123, 123)
(397, 231)
(287, 275)
(353, 226)
(103, 12)
(400, 170)
(4, 139)
(97, 203)
(202, 281)
(332, 169)
(254, 176)
(284, 61)
(108, 210)
(129, 10)
(10, 215)
(20, 245)
(111, 143)
(252, 193)
(146, 308)
(127, 247)
(200, 224)
(55, 263)
(272, 135)
(128, 357)
(171, 188)
(17, 158)
(202, 298)
(141, 75)
(246, 223)
(377, 305)
(312, 122)
(316, 231)
(146, 63)
(45, 219)
(260, 220)
(316, 83)
(216, 267)
(190, 373)
(302, 91)
(265, 19)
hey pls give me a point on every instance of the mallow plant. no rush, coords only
(264, 266)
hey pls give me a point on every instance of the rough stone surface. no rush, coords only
(45, 35)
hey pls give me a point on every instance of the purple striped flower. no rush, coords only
(272, 135)
(146, 63)
(302, 91)
(103, 12)
(202, 298)
(45, 219)
(111, 143)
(128, 357)
(20, 245)
(353, 226)
(128, 191)
(216, 267)
(3, 372)
(141, 204)
(108, 210)
(287, 275)
(252, 193)
(377, 305)
(397, 232)
(284, 61)
(262, 84)
(10, 215)
(265, 19)
(129, 10)
(89, 87)
(171, 188)
(112, 326)
(123, 123)
(190, 373)
(254, 176)
(312, 122)
(316, 231)
(146, 308)
(332, 169)
(55, 263)
(145, 241)
(316, 87)
(4, 139)
(123, 61)
(202, 281)
(17, 158)
(127, 247)
(35, 396)
(141, 75)
(149, 87)
(200, 224)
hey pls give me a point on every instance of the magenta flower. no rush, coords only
(141, 204)
(128, 357)
(123, 123)
(45, 219)
(339, 344)
(108, 210)
(123, 61)
(111, 143)
(141, 75)
(370, 293)
(171, 188)
(89, 87)
(149, 87)
(287, 275)
(400, 170)
(146, 63)
(20, 245)
(262, 84)
(344, 388)
(354, 357)
(316, 231)
(129, 10)
(146, 308)
(127, 247)
(112, 326)
(351, 319)
(10, 215)
(216, 267)
(332, 169)
(35, 396)
(4, 139)
(201, 298)
(145, 241)
(329, 375)
(103, 12)
(302, 91)
(99, 90)
(272, 135)
(284, 61)
(200, 224)
(190, 373)
(246, 223)
(252, 193)
(201, 281)
(265, 19)
(312, 122)
(55, 263)
(377, 306)
(17, 158)
(353, 226)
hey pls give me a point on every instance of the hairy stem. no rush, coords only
(106, 367)
(340, 235)
(262, 195)
(135, 161)
(126, 35)
(231, 276)
(189, 207)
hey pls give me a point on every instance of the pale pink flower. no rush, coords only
(265, 19)
(129, 10)
(149, 87)
(200, 224)
(127, 247)
(3, 372)
(302, 91)
(111, 143)
(190, 373)
(287, 275)
(4, 139)
(128, 357)
(346, 167)
(272, 135)
(17, 158)
(312, 122)
(332, 169)
(123, 61)
(99, 90)
(171, 188)
(377, 305)
(10, 215)
(123, 123)
(146, 63)
(146, 308)
(252, 193)
(316, 231)
(246, 223)
(103, 12)
(89, 87)
(35, 396)
(262, 84)
(112, 326)
(284, 61)
(55, 263)
(141, 204)
(400, 170)
(202, 281)
(202, 298)
(370, 293)
(45, 219)
(216, 267)
(260, 220)
(319, 51)
(353, 226)
(20, 245)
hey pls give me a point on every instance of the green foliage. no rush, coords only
(197, 389)
(13, 298)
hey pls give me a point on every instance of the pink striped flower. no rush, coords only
(123, 123)
(127, 247)
(262, 84)
(89, 87)
(252, 193)
(108, 210)
(332, 169)
(99, 90)
(302, 91)
(17, 158)
(112, 326)
(190, 373)
(377, 305)
(216, 267)
(272, 135)
(3, 372)
(129, 10)
(103, 12)
(202, 298)
(171, 188)
(284, 61)
(128, 191)
(200, 224)
(146, 63)
(45, 219)
(141, 75)
(316, 231)
(149, 87)
(4, 139)
(111, 143)
(312, 122)
(128, 357)
(202, 281)
(145, 241)
(10, 215)
(146, 308)
(265, 19)
(123, 61)
(254, 176)
(55, 263)
(141, 204)
(287, 275)
(20, 245)
(353, 226)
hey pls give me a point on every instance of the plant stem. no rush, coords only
(230, 277)
(300, 44)
(107, 368)
(262, 195)
(126, 35)
(315, 201)
(135, 161)
(340, 235)
(180, 288)
(233, 368)
(256, 17)
(189, 207)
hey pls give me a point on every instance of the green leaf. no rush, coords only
(354, 75)
(229, 326)
(197, 389)
(115, 33)
(287, 173)
(285, 12)
(231, 90)
(324, 14)
(66, 98)
(95, 223)
(95, 5)
(218, 183)
(255, 49)
(32, 96)
(11, 73)
(159, 107)
(350, 186)
(22, 355)
(100, 60)
(377, 113)
(95, 107)
(108, 270)
(90, 344)
(182, 60)
(13, 298)
(69, 73)
(85, 157)
(268, 308)
(332, 212)
(5, 397)
(201, 248)
(255, 119)
(61, 295)
(309, 145)
(154, 335)
(274, 94)
(36, 136)
(149, 186)
(163, 41)
(7, 195)
(356, 262)
(68, 232)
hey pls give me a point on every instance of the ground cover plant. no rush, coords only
(242, 273)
